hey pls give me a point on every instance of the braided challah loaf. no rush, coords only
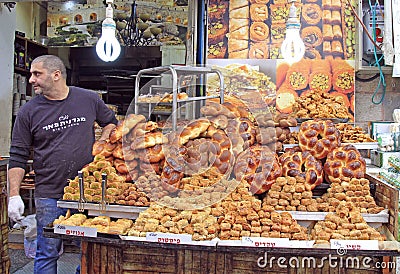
(344, 163)
(259, 166)
(319, 137)
(302, 163)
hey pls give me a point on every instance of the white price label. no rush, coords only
(80, 231)
(168, 238)
(355, 244)
(265, 242)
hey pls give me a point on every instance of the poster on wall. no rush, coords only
(251, 32)
(138, 23)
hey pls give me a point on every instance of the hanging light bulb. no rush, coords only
(292, 48)
(108, 47)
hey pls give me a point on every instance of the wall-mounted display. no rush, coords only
(138, 23)
(244, 30)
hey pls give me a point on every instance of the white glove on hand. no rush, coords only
(16, 208)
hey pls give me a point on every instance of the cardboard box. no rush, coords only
(380, 158)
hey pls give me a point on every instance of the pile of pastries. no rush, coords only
(345, 223)
(220, 175)
(239, 214)
(103, 224)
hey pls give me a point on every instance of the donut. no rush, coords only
(259, 166)
(344, 162)
(304, 164)
(319, 137)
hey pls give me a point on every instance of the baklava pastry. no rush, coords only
(311, 14)
(217, 50)
(259, 1)
(235, 24)
(336, 18)
(312, 53)
(337, 48)
(327, 17)
(240, 33)
(326, 4)
(278, 33)
(239, 13)
(320, 76)
(258, 51)
(238, 49)
(337, 32)
(327, 32)
(217, 31)
(343, 76)
(258, 12)
(275, 51)
(235, 4)
(259, 32)
(279, 13)
(311, 36)
(336, 4)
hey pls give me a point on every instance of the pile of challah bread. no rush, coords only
(344, 223)
(238, 214)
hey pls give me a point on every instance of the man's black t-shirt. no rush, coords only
(62, 135)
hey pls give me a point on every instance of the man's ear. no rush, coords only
(57, 75)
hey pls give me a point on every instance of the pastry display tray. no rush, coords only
(305, 218)
(114, 211)
(366, 145)
(334, 120)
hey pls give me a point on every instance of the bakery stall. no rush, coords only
(227, 190)
(223, 167)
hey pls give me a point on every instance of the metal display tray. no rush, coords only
(114, 211)
(305, 218)
(366, 145)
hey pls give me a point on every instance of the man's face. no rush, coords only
(41, 80)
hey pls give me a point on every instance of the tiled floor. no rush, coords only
(20, 264)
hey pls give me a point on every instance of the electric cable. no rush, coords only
(381, 74)
(365, 80)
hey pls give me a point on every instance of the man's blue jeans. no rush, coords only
(47, 251)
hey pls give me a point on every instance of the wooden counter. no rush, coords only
(113, 255)
(5, 260)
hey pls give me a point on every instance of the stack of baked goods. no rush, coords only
(103, 224)
(353, 134)
(290, 194)
(238, 214)
(241, 214)
(320, 88)
(200, 223)
(259, 30)
(312, 104)
(217, 28)
(356, 191)
(346, 223)
(117, 189)
(238, 35)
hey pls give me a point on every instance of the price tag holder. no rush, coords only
(80, 231)
(265, 242)
(355, 244)
(168, 238)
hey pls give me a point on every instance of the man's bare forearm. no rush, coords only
(15, 177)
